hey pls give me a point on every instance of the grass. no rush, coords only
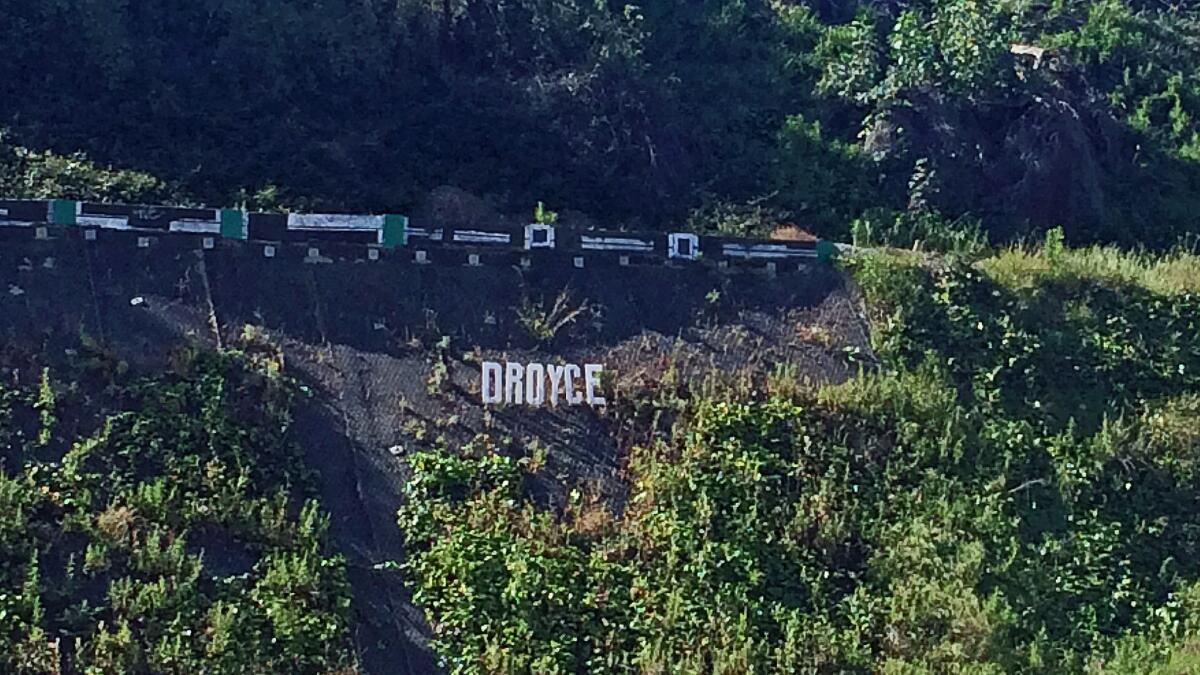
(1023, 267)
(544, 324)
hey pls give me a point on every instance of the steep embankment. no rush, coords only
(389, 352)
(1013, 490)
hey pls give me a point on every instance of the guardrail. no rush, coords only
(381, 233)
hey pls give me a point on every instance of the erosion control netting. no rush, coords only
(366, 337)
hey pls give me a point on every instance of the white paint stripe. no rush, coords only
(15, 223)
(766, 251)
(4, 212)
(196, 226)
(615, 244)
(482, 237)
(433, 235)
(327, 221)
(104, 222)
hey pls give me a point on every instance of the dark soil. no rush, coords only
(364, 337)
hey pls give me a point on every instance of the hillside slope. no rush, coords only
(386, 355)
(1014, 489)
(999, 476)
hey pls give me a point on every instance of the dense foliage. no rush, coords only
(1015, 490)
(46, 175)
(174, 537)
(1016, 487)
(914, 118)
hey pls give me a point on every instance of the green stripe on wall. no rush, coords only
(233, 224)
(395, 230)
(63, 211)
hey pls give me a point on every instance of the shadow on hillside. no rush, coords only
(362, 495)
(363, 336)
(379, 307)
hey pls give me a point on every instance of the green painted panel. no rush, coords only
(395, 230)
(63, 211)
(826, 251)
(233, 224)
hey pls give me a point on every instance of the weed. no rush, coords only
(543, 324)
(438, 381)
(544, 216)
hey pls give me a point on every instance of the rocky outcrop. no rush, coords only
(1041, 156)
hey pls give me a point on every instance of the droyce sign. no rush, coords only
(537, 384)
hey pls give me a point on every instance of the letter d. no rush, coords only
(490, 387)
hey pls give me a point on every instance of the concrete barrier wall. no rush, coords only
(371, 235)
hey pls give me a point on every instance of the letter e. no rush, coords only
(592, 379)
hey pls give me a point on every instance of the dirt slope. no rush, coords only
(390, 352)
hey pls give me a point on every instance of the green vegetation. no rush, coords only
(916, 118)
(45, 175)
(1013, 485)
(543, 324)
(174, 536)
(1015, 490)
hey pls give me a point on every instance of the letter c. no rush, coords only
(573, 397)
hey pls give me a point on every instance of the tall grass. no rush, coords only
(1023, 267)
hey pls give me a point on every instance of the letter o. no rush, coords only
(535, 384)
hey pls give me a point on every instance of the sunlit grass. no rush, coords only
(1022, 267)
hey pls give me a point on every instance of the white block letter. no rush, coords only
(535, 384)
(592, 379)
(514, 393)
(491, 377)
(573, 397)
(557, 373)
